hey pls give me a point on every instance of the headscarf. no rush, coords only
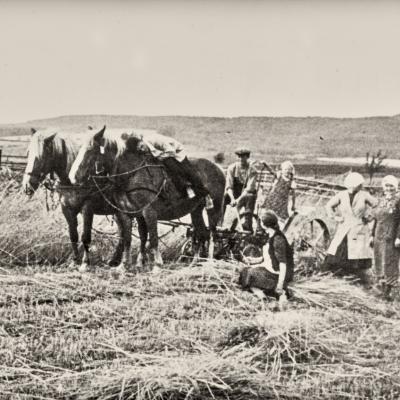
(391, 180)
(353, 179)
(289, 165)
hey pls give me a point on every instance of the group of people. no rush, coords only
(241, 189)
(270, 274)
(368, 232)
(367, 228)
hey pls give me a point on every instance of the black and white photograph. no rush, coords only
(199, 199)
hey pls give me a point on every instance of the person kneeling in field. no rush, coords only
(274, 270)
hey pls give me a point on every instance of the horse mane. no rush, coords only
(61, 140)
(119, 138)
(112, 138)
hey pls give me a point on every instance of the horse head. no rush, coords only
(41, 160)
(95, 158)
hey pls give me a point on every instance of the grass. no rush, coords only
(273, 139)
(184, 333)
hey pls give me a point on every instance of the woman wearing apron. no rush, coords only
(282, 188)
(350, 251)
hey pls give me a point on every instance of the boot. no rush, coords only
(387, 293)
(379, 288)
(248, 222)
(193, 176)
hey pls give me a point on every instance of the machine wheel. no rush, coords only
(314, 239)
(186, 251)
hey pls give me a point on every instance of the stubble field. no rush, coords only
(184, 333)
(187, 333)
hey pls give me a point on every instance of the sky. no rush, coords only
(209, 58)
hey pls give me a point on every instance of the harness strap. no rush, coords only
(140, 210)
(136, 189)
(130, 172)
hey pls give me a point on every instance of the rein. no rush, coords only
(140, 210)
(132, 172)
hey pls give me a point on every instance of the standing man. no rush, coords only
(240, 190)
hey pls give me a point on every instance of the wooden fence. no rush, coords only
(13, 162)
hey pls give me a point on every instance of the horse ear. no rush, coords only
(49, 138)
(33, 131)
(99, 135)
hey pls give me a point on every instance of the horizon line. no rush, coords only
(192, 116)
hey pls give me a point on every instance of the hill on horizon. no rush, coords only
(271, 138)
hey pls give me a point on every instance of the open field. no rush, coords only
(273, 139)
(184, 333)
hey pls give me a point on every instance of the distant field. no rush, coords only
(273, 139)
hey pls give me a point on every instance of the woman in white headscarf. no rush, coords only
(387, 237)
(282, 189)
(351, 248)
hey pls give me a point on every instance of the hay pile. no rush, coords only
(191, 333)
(185, 333)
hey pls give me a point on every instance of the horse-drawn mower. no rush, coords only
(308, 230)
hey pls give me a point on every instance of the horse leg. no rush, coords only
(87, 215)
(71, 216)
(150, 217)
(117, 256)
(143, 233)
(201, 234)
(214, 217)
(126, 224)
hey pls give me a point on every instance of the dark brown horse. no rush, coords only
(53, 152)
(143, 189)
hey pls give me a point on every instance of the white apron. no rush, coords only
(357, 232)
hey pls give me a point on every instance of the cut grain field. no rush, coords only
(183, 333)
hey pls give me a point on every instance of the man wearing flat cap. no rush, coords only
(240, 189)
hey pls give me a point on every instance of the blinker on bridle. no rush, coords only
(99, 165)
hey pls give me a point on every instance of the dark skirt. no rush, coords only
(261, 278)
(387, 258)
(341, 265)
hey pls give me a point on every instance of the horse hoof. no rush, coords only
(113, 263)
(83, 268)
(194, 262)
(119, 271)
(140, 264)
(156, 270)
(73, 265)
